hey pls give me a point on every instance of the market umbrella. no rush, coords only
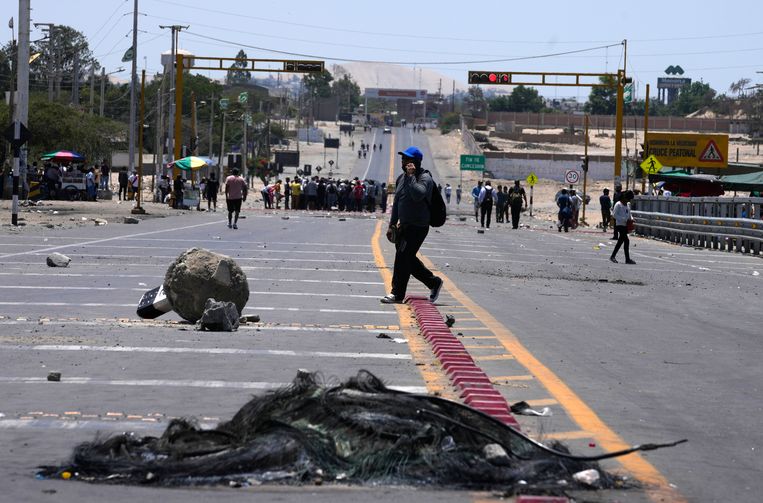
(190, 163)
(63, 156)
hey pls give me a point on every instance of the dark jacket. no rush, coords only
(412, 197)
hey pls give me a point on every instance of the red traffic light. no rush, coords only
(496, 78)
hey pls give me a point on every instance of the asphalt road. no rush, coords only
(663, 350)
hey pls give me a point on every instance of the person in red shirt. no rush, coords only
(235, 193)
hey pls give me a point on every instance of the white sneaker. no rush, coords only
(390, 299)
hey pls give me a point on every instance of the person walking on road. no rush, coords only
(448, 191)
(565, 211)
(213, 186)
(409, 220)
(235, 193)
(615, 198)
(516, 196)
(177, 189)
(476, 196)
(606, 209)
(459, 190)
(622, 214)
(485, 199)
(123, 179)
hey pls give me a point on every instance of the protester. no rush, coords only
(476, 197)
(458, 194)
(615, 198)
(485, 199)
(213, 187)
(384, 197)
(501, 200)
(90, 186)
(296, 193)
(286, 193)
(622, 214)
(123, 181)
(516, 196)
(606, 209)
(235, 193)
(575, 202)
(565, 211)
(105, 174)
(177, 190)
(410, 221)
(448, 191)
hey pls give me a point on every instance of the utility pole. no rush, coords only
(644, 176)
(138, 210)
(49, 28)
(133, 78)
(21, 113)
(159, 144)
(75, 81)
(211, 123)
(103, 88)
(92, 88)
(194, 143)
(174, 30)
(222, 151)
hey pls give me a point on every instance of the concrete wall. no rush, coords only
(542, 120)
(509, 168)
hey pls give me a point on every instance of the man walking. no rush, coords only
(622, 214)
(410, 221)
(476, 196)
(123, 180)
(235, 192)
(486, 203)
(516, 196)
(606, 209)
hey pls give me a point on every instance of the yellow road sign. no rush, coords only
(651, 165)
(531, 179)
(690, 150)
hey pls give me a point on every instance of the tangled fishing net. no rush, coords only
(357, 432)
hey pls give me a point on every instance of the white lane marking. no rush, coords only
(75, 265)
(57, 424)
(209, 351)
(143, 289)
(223, 250)
(105, 240)
(370, 158)
(259, 259)
(153, 325)
(196, 241)
(161, 278)
(254, 308)
(181, 383)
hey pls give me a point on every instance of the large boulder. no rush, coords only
(199, 274)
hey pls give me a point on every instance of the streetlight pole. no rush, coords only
(133, 78)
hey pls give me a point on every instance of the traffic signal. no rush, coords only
(303, 66)
(494, 78)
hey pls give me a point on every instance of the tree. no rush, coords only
(238, 73)
(739, 87)
(58, 53)
(318, 84)
(475, 101)
(603, 100)
(347, 91)
(692, 97)
(521, 99)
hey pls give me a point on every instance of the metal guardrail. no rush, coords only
(731, 224)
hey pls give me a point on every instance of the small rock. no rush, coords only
(342, 219)
(54, 376)
(56, 259)
(251, 318)
(284, 218)
(496, 455)
(100, 221)
(480, 231)
(588, 477)
(383, 336)
(219, 316)
(130, 220)
(462, 219)
(450, 320)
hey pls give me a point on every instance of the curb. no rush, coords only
(474, 386)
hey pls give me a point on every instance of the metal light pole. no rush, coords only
(21, 114)
(138, 209)
(133, 79)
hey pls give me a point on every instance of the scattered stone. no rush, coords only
(130, 220)
(342, 219)
(199, 274)
(496, 455)
(284, 218)
(450, 320)
(56, 259)
(462, 219)
(480, 231)
(219, 316)
(383, 336)
(54, 376)
(249, 318)
(100, 221)
(588, 477)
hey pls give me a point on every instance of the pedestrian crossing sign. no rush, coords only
(651, 165)
(531, 179)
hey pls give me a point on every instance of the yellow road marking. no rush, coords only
(567, 435)
(512, 378)
(490, 358)
(575, 407)
(479, 346)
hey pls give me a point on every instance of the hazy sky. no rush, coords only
(716, 42)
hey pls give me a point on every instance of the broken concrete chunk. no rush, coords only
(100, 221)
(249, 318)
(54, 376)
(198, 275)
(56, 259)
(219, 316)
(588, 477)
(130, 220)
(496, 455)
(450, 320)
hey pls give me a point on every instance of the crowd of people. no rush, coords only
(317, 193)
(506, 201)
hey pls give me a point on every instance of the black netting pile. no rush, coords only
(357, 432)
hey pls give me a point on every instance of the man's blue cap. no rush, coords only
(413, 153)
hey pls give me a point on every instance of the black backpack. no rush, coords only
(438, 212)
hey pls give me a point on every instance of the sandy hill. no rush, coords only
(397, 77)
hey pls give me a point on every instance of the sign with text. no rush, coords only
(472, 163)
(689, 150)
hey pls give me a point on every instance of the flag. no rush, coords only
(129, 54)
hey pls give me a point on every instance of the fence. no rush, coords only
(732, 224)
(468, 139)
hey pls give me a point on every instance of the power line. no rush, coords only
(303, 55)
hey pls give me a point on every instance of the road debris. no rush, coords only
(153, 303)
(219, 316)
(450, 320)
(56, 259)
(524, 409)
(199, 274)
(130, 220)
(249, 318)
(588, 477)
(357, 431)
(54, 376)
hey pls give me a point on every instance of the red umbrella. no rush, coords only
(63, 156)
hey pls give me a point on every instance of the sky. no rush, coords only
(714, 42)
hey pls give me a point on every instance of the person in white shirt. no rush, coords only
(485, 199)
(622, 214)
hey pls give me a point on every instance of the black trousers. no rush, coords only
(407, 264)
(622, 240)
(605, 215)
(486, 209)
(516, 209)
